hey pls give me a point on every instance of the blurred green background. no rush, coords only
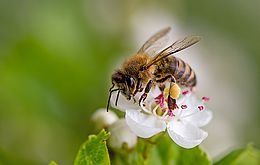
(56, 58)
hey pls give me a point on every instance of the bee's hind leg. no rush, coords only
(146, 91)
(174, 94)
(171, 103)
(173, 91)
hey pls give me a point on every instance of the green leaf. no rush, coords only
(94, 151)
(53, 163)
(248, 155)
(126, 156)
(170, 153)
(191, 156)
(160, 150)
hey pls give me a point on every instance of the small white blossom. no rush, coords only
(182, 124)
(121, 134)
(103, 119)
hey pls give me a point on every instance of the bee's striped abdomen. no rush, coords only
(182, 72)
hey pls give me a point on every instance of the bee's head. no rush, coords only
(125, 83)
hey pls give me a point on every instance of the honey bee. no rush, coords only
(141, 72)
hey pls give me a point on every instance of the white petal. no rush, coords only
(123, 103)
(197, 117)
(154, 93)
(144, 125)
(102, 118)
(185, 134)
(120, 134)
(192, 104)
(190, 99)
(200, 118)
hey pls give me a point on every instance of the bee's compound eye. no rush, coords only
(130, 82)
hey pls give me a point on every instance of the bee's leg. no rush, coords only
(134, 99)
(162, 80)
(171, 103)
(138, 87)
(146, 91)
(162, 87)
(172, 93)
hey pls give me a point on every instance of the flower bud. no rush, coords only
(103, 119)
(121, 135)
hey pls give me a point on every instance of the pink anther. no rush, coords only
(176, 106)
(160, 100)
(200, 107)
(164, 109)
(184, 106)
(170, 113)
(185, 92)
(205, 98)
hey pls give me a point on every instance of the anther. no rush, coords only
(185, 92)
(160, 100)
(184, 106)
(205, 98)
(200, 107)
(170, 113)
(164, 109)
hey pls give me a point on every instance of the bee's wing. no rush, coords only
(155, 43)
(175, 47)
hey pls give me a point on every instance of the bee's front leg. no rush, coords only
(138, 87)
(134, 99)
(146, 91)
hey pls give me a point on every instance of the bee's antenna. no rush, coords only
(110, 89)
(117, 97)
(110, 94)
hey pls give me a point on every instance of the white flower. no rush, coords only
(121, 134)
(183, 124)
(103, 119)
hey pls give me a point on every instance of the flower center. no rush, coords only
(159, 107)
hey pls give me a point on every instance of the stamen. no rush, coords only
(205, 98)
(164, 109)
(159, 97)
(170, 113)
(193, 89)
(160, 100)
(176, 106)
(200, 107)
(165, 115)
(185, 92)
(184, 106)
(154, 110)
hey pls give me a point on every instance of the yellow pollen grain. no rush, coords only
(175, 91)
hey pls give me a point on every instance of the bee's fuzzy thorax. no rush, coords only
(134, 64)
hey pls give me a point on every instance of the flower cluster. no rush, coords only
(120, 133)
(182, 124)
